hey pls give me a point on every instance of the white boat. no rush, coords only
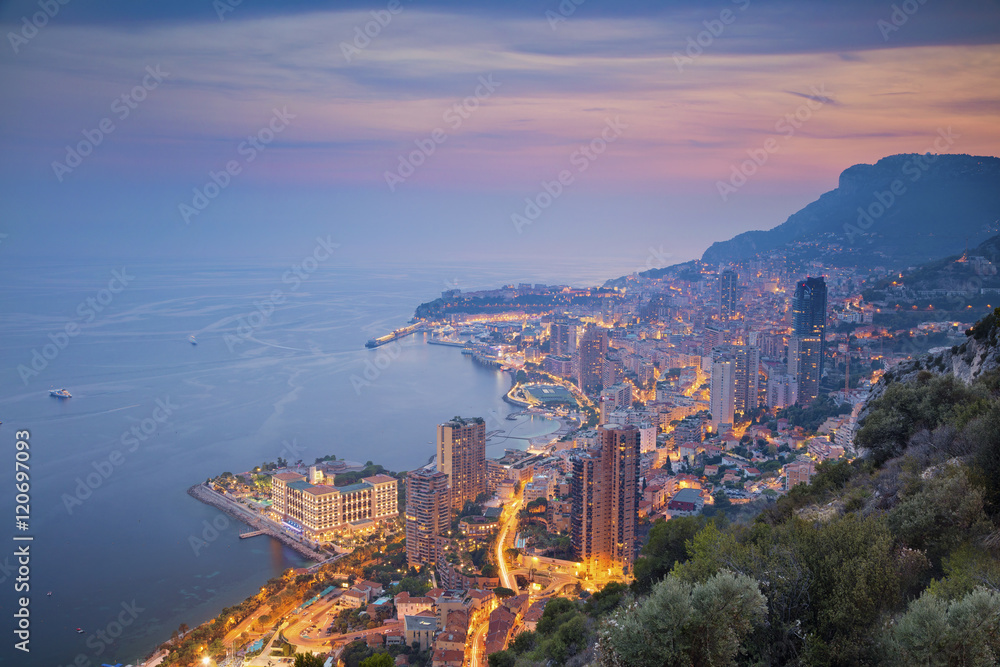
(60, 393)
(192, 340)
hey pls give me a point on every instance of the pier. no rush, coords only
(449, 343)
(395, 335)
(252, 533)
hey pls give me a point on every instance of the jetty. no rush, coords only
(255, 523)
(395, 335)
(446, 342)
(251, 533)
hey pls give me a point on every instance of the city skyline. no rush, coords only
(715, 286)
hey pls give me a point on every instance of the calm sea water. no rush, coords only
(279, 370)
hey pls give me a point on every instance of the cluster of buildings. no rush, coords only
(677, 365)
(458, 476)
(317, 510)
(592, 492)
(441, 621)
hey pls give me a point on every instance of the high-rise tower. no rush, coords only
(722, 391)
(591, 348)
(807, 345)
(605, 494)
(728, 294)
(428, 515)
(461, 455)
(747, 379)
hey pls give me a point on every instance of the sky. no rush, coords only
(412, 130)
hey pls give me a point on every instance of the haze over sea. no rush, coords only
(283, 390)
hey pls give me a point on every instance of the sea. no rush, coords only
(120, 555)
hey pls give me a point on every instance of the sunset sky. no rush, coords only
(826, 85)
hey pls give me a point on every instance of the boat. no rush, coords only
(79, 631)
(192, 340)
(60, 393)
(49, 594)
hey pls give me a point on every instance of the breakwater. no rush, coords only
(232, 508)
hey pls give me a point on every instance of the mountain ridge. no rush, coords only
(905, 209)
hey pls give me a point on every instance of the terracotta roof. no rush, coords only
(481, 595)
(535, 611)
(321, 490)
(443, 656)
(378, 479)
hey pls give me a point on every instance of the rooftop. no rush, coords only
(316, 490)
(378, 479)
(687, 496)
(463, 421)
(420, 623)
(352, 488)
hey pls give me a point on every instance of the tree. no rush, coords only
(936, 632)
(557, 611)
(377, 660)
(501, 659)
(503, 592)
(523, 642)
(607, 599)
(665, 547)
(944, 512)
(680, 624)
(311, 660)
(722, 502)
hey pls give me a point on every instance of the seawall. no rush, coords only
(209, 497)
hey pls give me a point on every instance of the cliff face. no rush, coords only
(980, 353)
(922, 207)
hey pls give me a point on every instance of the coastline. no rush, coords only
(203, 494)
(239, 512)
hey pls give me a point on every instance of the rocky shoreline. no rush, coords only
(203, 494)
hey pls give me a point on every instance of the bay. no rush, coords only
(279, 369)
